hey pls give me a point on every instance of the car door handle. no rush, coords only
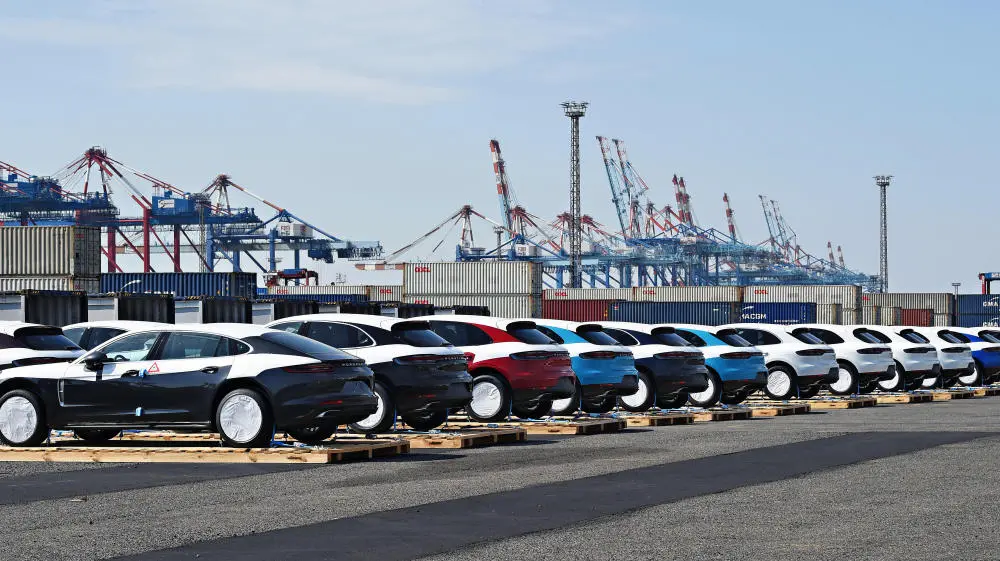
(210, 369)
(130, 373)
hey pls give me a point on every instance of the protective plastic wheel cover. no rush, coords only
(639, 397)
(970, 378)
(928, 382)
(843, 382)
(891, 383)
(487, 399)
(240, 418)
(371, 421)
(18, 419)
(779, 382)
(703, 396)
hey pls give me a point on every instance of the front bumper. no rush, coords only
(675, 375)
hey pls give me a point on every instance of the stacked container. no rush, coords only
(44, 307)
(510, 289)
(213, 310)
(64, 258)
(783, 313)
(183, 285)
(131, 307)
(975, 310)
(890, 315)
(916, 318)
(331, 292)
(576, 310)
(689, 294)
(699, 313)
(829, 313)
(266, 311)
(848, 296)
(589, 294)
(941, 304)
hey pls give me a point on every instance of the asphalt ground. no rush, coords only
(889, 482)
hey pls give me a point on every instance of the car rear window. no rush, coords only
(952, 337)
(990, 336)
(808, 338)
(305, 346)
(826, 336)
(528, 333)
(418, 334)
(596, 335)
(45, 339)
(732, 339)
(675, 340)
(622, 337)
(871, 337)
(914, 337)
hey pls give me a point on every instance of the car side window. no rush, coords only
(828, 337)
(758, 337)
(291, 327)
(131, 347)
(550, 334)
(460, 334)
(181, 345)
(100, 335)
(339, 335)
(75, 334)
(691, 338)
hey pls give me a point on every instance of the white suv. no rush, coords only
(25, 344)
(953, 353)
(796, 366)
(916, 359)
(862, 358)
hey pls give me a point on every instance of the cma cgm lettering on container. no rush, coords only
(778, 312)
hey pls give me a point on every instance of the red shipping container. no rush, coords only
(917, 317)
(576, 310)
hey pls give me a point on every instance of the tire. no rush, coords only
(244, 419)
(312, 435)
(568, 405)
(928, 383)
(383, 418)
(847, 381)
(643, 397)
(604, 406)
(22, 419)
(96, 436)
(734, 398)
(537, 412)
(491, 399)
(895, 384)
(425, 421)
(975, 378)
(710, 396)
(781, 383)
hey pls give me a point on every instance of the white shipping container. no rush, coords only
(889, 315)
(478, 277)
(502, 305)
(829, 313)
(869, 315)
(850, 316)
(50, 250)
(87, 284)
(847, 295)
(385, 293)
(942, 320)
(689, 294)
(588, 293)
(940, 302)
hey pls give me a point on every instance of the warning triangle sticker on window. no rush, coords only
(154, 369)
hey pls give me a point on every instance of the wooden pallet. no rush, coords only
(900, 398)
(556, 425)
(719, 414)
(462, 437)
(988, 391)
(197, 451)
(824, 403)
(948, 395)
(779, 410)
(658, 419)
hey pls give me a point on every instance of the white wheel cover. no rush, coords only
(639, 397)
(240, 418)
(375, 418)
(843, 382)
(928, 382)
(703, 396)
(970, 379)
(891, 383)
(779, 382)
(18, 419)
(487, 399)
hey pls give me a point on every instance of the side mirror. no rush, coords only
(95, 360)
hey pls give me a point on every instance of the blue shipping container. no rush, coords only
(183, 285)
(784, 313)
(699, 313)
(321, 298)
(979, 320)
(978, 304)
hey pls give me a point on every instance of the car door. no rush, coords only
(109, 394)
(180, 384)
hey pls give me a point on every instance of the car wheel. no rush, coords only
(539, 410)
(709, 396)
(568, 405)
(847, 380)
(244, 419)
(928, 383)
(643, 397)
(781, 383)
(384, 416)
(490, 399)
(974, 378)
(22, 419)
(896, 383)
(313, 435)
(425, 421)
(734, 398)
(96, 436)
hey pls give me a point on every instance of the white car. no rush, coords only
(985, 345)
(796, 366)
(915, 358)
(418, 375)
(23, 344)
(244, 381)
(93, 333)
(862, 358)
(954, 354)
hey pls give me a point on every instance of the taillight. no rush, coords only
(312, 368)
(917, 350)
(955, 349)
(470, 357)
(603, 355)
(740, 355)
(812, 352)
(421, 360)
(676, 354)
(873, 351)
(536, 355)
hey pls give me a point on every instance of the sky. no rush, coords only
(373, 119)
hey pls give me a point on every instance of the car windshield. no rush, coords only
(914, 337)
(808, 338)
(733, 340)
(990, 336)
(527, 333)
(45, 339)
(596, 335)
(305, 346)
(672, 339)
(418, 334)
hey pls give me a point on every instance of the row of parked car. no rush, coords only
(307, 375)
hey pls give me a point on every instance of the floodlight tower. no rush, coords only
(574, 110)
(883, 181)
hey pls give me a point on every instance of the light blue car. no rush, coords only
(735, 367)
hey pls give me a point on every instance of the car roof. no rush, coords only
(228, 329)
(383, 322)
(710, 329)
(562, 324)
(131, 325)
(761, 326)
(492, 321)
(10, 327)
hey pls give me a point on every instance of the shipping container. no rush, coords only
(847, 295)
(979, 320)
(917, 318)
(473, 278)
(504, 305)
(870, 315)
(58, 308)
(319, 289)
(404, 310)
(61, 283)
(699, 313)
(940, 302)
(943, 320)
(978, 303)
(890, 315)
(829, 313)
(850, 316)
(183, 285)
(265, 311)
(576, 310)
(131, 307)
(461, 310)
(689, 294)
(213, 310)
(783, 313)
(72, 251)
(321, 298)
(589, 294)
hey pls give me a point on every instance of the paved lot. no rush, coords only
(893, 482)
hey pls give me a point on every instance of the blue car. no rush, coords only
(604, 368)
(985, 345)
(736, 368)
